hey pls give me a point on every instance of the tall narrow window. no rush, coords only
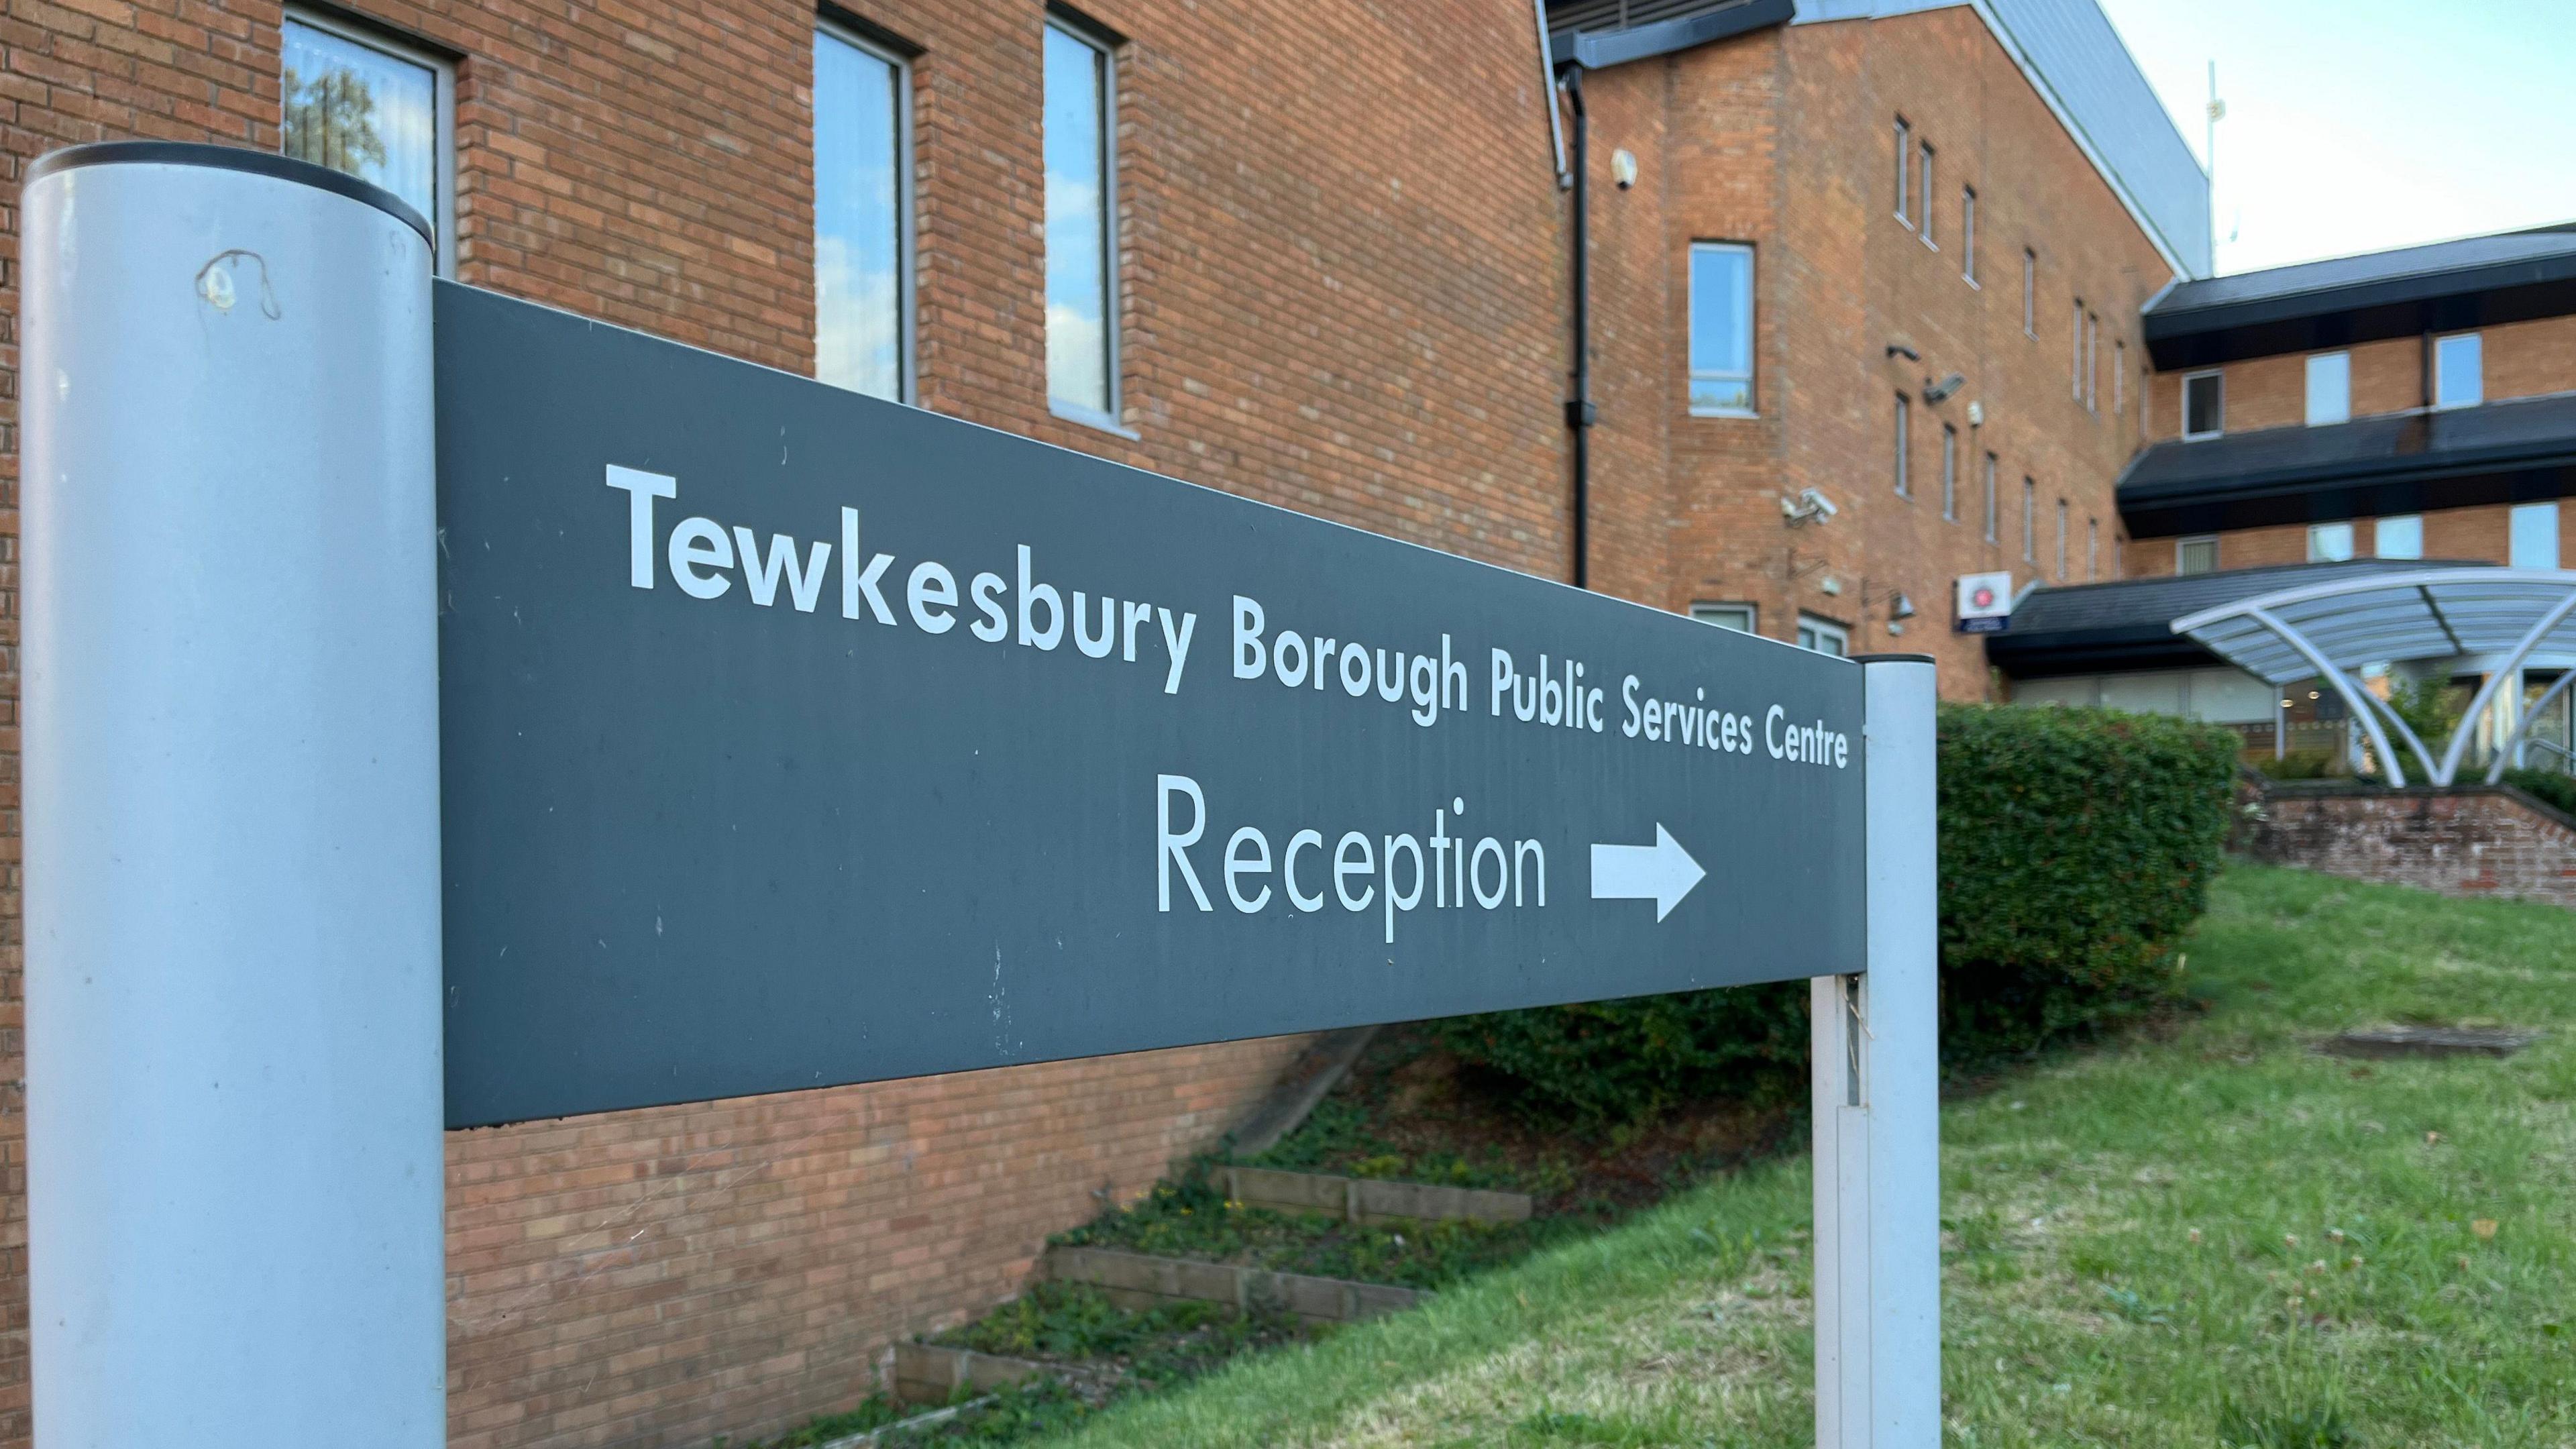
(2204, 404)
(2029, 521)
(1721, 329)
(2196, 555)
(2092, 549)
(1904, 171)
(1904, 485)
(1081, 281)
(2061, 540)
(862, 276)
(1928, 193)
(2329, 388)
(1991, 536)
(2092, 361)
(2119, 378)
(2398, 537)
(1949, 472)
(2329, 542)
(374, 108)
(2459, 371)
(2029, 292)
(1968, 234)
(2075, 351)
(2534, 542)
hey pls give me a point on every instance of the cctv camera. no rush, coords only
(1936, 392)
(1809, 506)
(1623, 168)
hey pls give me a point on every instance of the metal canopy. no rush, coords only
(2333, 628)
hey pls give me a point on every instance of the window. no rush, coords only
(1968, 234)
(1927, 194)
(2535, 536)
(1904, 485)
(862, 230)
(376, 109)
(2459, 371)
(2329, 388)
(1721, 330)
(1738, 617)
(2092, 361)
(2029, 293)
(2075, 352)
(1081, 280)
(1904, 169)
(1990, 498)
(2329, 542)
(2092, 549)
(1949, 473)
(2119, 378)
(2204, 404)
(2198, 555)
(2029, 521)
(2061, 540)
(2399, 537)
(1823, 635)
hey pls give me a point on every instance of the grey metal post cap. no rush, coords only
(231, 158)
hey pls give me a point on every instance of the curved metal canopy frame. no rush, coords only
(2330, 628)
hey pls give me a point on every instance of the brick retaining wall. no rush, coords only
(2462, 841)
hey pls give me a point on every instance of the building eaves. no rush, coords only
(1601, 49)
(2478, 281)
(2498, 453)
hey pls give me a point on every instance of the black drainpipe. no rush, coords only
(1579, 412)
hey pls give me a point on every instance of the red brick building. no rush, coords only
(1196, 239)
(1889, 257)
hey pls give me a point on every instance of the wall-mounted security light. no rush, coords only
(1900, 607)
(1623, 167)
(1904, 350)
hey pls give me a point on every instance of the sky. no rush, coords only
(2357, 125)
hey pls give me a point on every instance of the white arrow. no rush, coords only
(1662, 872)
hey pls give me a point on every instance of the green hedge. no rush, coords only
(2551, 788)
(2076, 846)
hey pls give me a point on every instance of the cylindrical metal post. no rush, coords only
(1877, 1100)
(233, 1086)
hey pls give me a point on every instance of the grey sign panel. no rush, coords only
(793, 738)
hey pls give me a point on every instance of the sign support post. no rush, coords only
(1877, 1102)
(234, 1219)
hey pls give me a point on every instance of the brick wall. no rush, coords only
(1784, 139)
(2460, 842)
(1343, 291)
(2522, 359)
(2480, 534)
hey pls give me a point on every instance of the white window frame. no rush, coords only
(2061, 540)
(1925, 149)
(2075, 352)
(444, 99)
(2308, 394)
(2030, 521)
(2119, 377)
(2220, 377)
(1968, 236)
(1994, 515)
(2318, 533)
(1812, 629)
(1111, 421)
(1717, 613)
(2513, 527)
(2378, 531)
(905, 224)
(1904, 172)
(2438, 404)
(2030, 293)
(1904, 435)
(2092, 362)
(2189, 540)
(2092, 550)
(1751, 336)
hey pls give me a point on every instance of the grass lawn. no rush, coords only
(2212, 1235)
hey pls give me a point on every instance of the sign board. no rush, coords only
(791, 738)
(1985, 603)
